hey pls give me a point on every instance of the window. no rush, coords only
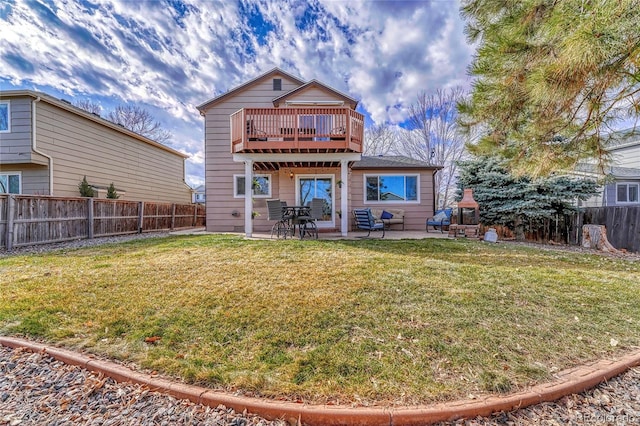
(5, 117)
(261, 186)
(391, 188)
(10, 183)
(627, 192)
(277, 84)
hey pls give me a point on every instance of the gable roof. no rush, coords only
(66, 105)
(275, 71)
(322, 86)
(392, 162)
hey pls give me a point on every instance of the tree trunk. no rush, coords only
(595, 237)
(518, 229)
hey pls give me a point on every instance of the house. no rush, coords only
(47, 146)
(198, 195)
(278, 136)
(621, 178)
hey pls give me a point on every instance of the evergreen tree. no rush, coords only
(512, 201)
(85, 189)
(552, 78)
(111, 192)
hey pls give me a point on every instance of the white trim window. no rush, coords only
(392, 188)
(5, 117)
(627, 193)
(261, 186)
(10, 183)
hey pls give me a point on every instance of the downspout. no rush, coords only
(34, 147)
(433, 190)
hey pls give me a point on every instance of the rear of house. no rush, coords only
(47, 146)
(279, 137)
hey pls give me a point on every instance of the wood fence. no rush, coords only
(37, 219)
(622, 223)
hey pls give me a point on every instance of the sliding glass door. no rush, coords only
(317, 186)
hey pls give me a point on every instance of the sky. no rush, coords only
(168, 56)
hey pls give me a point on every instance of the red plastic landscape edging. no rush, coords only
(574, 380)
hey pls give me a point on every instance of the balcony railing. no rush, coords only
(296, 130)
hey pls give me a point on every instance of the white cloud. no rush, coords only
(147, 52)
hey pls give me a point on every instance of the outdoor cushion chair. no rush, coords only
(442, 218)
(281, 227)
(308, 223)
(366, 221)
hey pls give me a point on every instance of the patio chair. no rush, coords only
(442, 218)
(366, 221)
(275, 211)
(308, 223)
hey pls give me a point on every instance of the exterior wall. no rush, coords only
(309, 95)
(415, 213)
(627, 157)
(81, 147)
(284, 188)
(35, 179)
(219, 164)
(15, 146)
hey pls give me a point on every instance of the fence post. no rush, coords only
(11, 202)
(140, 216)
(90, 218)
(195, 215)
(173, 216)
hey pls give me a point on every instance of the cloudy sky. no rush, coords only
(170, 55)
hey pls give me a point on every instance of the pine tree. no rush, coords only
(552, 78)
(85, 189)
(111, 192)
(512, 201)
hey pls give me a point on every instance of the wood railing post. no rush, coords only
(173, 216)
(140, 216)
(90, 218)
(11, 203)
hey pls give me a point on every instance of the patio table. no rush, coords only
(295, 212)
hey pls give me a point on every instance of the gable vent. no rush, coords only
(277, 84)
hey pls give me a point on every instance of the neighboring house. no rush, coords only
(47, 146)
(277, 136)
(198, 195)
(622, 178)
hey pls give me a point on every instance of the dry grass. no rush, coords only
(368, 321)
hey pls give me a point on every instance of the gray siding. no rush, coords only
(627, 157)
(15, 147)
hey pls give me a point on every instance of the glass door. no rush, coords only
(317, 186)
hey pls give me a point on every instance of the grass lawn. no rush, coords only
(368, 321)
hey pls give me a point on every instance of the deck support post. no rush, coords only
(344, 197)
(248, 199)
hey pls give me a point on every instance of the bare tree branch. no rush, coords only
(140, 121)
(435, 137)
(88, 105)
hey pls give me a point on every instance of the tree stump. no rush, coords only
(595, 237)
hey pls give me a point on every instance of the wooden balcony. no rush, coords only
(296, 130)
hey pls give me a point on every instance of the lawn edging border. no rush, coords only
(570, 381)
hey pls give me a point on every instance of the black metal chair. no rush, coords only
(275, 211)
(366, 221)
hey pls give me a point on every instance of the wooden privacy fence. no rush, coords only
(36, 219)
(622, 223)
